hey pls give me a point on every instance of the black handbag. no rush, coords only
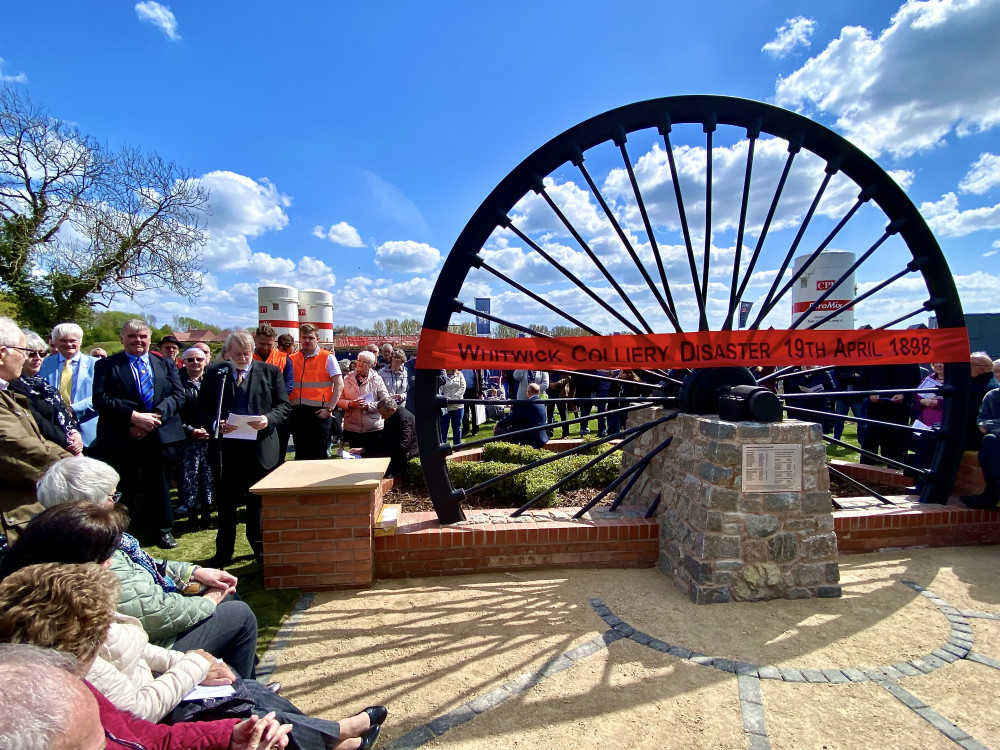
(239, 705)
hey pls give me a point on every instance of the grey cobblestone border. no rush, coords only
(265, 669)
(957, 647)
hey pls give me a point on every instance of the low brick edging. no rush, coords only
(422, 547)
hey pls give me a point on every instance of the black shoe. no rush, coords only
(369, 738)
(979, 502)
(274, 687)
(219, 562)
(166, 541)
(377, 714)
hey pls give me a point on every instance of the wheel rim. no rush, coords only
(610, 226)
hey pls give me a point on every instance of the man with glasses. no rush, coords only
(24, 453)
(71, 372)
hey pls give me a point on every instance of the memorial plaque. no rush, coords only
(772, 468)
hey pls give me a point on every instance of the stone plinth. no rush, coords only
(722, 544)
(318, 521)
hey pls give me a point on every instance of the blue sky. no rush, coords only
(346, 145)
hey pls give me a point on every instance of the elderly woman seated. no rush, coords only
(71, 608)
(54, 418)
(159, 594)
(363, 389)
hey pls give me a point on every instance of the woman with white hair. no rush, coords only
(54, 418)
(25, 454)
(363, 389)
(158, 593)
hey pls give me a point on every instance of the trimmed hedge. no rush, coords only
(514, 491)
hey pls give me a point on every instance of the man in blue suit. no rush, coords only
(138, 397)
(526, 413)
(72, 374)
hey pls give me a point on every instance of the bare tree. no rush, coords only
(80, 225)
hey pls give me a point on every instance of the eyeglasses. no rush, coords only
(33, 353)
(194, 359)
(115, 497)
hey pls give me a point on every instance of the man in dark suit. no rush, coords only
(242, 387)
(138, 398)
(526, 413)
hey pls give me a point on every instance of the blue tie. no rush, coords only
(145, 384)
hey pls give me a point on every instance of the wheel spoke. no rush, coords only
(862, 297)
(794, 146)
(572, 277)
(864, 488)
(538, 298)
(671, 308)
(753, 132)
(664, 130)
(709, 132)
(626, 243)
(573, 475)
(771, 298)
(835, 287)
(594, 259)
(639, 466)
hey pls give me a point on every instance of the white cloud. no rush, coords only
(160, 16)
(340, 233)
(795, 32)
(933, 70)
(406, 255)
(983, 175)
(945, 217)
(241, 205)
(5, 78)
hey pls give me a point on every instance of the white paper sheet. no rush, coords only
(201, 692)
(243, 429)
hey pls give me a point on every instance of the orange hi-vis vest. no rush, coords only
(312, 383)
(275, 358)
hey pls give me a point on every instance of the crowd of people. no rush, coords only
(210, 426)
(102, 645)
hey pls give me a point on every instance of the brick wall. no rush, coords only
(421, 547)
(320, 541)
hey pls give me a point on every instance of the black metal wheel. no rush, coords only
(664, 216)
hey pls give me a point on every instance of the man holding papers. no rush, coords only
(241, 403)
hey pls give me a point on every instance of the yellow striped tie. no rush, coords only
(66, 382)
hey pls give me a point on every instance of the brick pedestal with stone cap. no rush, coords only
(720, 543)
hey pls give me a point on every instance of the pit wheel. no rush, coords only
(664, 216)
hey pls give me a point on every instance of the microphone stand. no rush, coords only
(218, 416)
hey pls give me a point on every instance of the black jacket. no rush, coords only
(267, 396)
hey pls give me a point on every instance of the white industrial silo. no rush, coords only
(278, 306)
(316, 307)
(819, 279)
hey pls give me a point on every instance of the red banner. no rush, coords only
(442, 350)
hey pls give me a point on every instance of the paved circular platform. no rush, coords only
(909, 657)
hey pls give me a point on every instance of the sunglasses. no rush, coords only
(194, 359)
(115, 497)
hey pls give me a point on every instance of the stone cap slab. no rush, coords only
(324, 476)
